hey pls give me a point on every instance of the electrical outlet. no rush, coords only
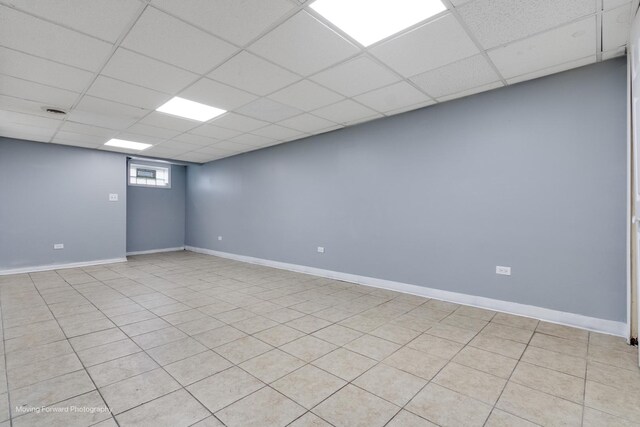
(58, 246)
(113, 197)
(504, 271)
(219, 237)
(320, 250)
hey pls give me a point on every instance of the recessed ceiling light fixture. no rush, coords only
(369, 21)
(131, 145)
(190, 109)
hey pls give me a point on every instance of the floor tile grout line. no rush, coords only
(378, 362)
(185, 388)
(266, 384)
(509, 379)
(76, 354)
(159, 367)
(584, 389)
(66, 398)
(187, 286)
(440, 370)
(4, 353)
(351, 382)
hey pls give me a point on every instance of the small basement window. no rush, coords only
(150, 176)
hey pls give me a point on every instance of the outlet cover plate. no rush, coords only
(503, 271)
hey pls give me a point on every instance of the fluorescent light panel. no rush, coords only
(369, 21)
(131, 145)
(190, 109)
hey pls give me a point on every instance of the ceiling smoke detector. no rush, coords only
(54, 111)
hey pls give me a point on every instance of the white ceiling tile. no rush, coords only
(238, 21)
(194, 157)
(430, 46)
(230, 146)
(264, 145)
(307, 123)
(162, 151)
(32, 35)
(457, 77)
(458, 3)
(143, 129)
(74, 127)
(19, 105)
(345, 111)
(78, 139)
(169, 122)
(268, 110)
(363, 120)
(198, 140)
(356, 76)
(217, 94)
(12, 117)
(555, 69)
(237, 122)
(306, 95)
(100, 112)
(139, 138)
(212, 149)
(472, 91)
(545, 50)
(410, 108)
(614, 53)
(216, 132)
(105, 19)
(103, 106)
(252, 140)
(304, 45)
(389, 98)
(164, 37)
(19, 131)
(616, 25)
(140, 70)
(279, 133)
(496, 22)
(611, 4)
(123, 150)
(157, 155)
(79, 144)
(127, 93)
(253, 74)
(46, 95)
(178, 145)
(101, 120)
(28, 67)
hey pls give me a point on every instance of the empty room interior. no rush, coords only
(253, 213)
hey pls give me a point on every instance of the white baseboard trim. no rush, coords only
(156, 251)
(555, 316)
(60, 266)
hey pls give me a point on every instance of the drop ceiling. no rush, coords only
(280, 69)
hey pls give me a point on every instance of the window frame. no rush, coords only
(149, 165)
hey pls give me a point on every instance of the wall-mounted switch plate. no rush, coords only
(113, 197)
(58, 246)
(219, 237)
(320, 250)
(504, 271)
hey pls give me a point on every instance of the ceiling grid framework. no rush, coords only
(280, 69)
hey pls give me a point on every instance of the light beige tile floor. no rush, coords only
(182, 339)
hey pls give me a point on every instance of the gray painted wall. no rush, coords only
(155, 216)
(531, 176)
(55, 194)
